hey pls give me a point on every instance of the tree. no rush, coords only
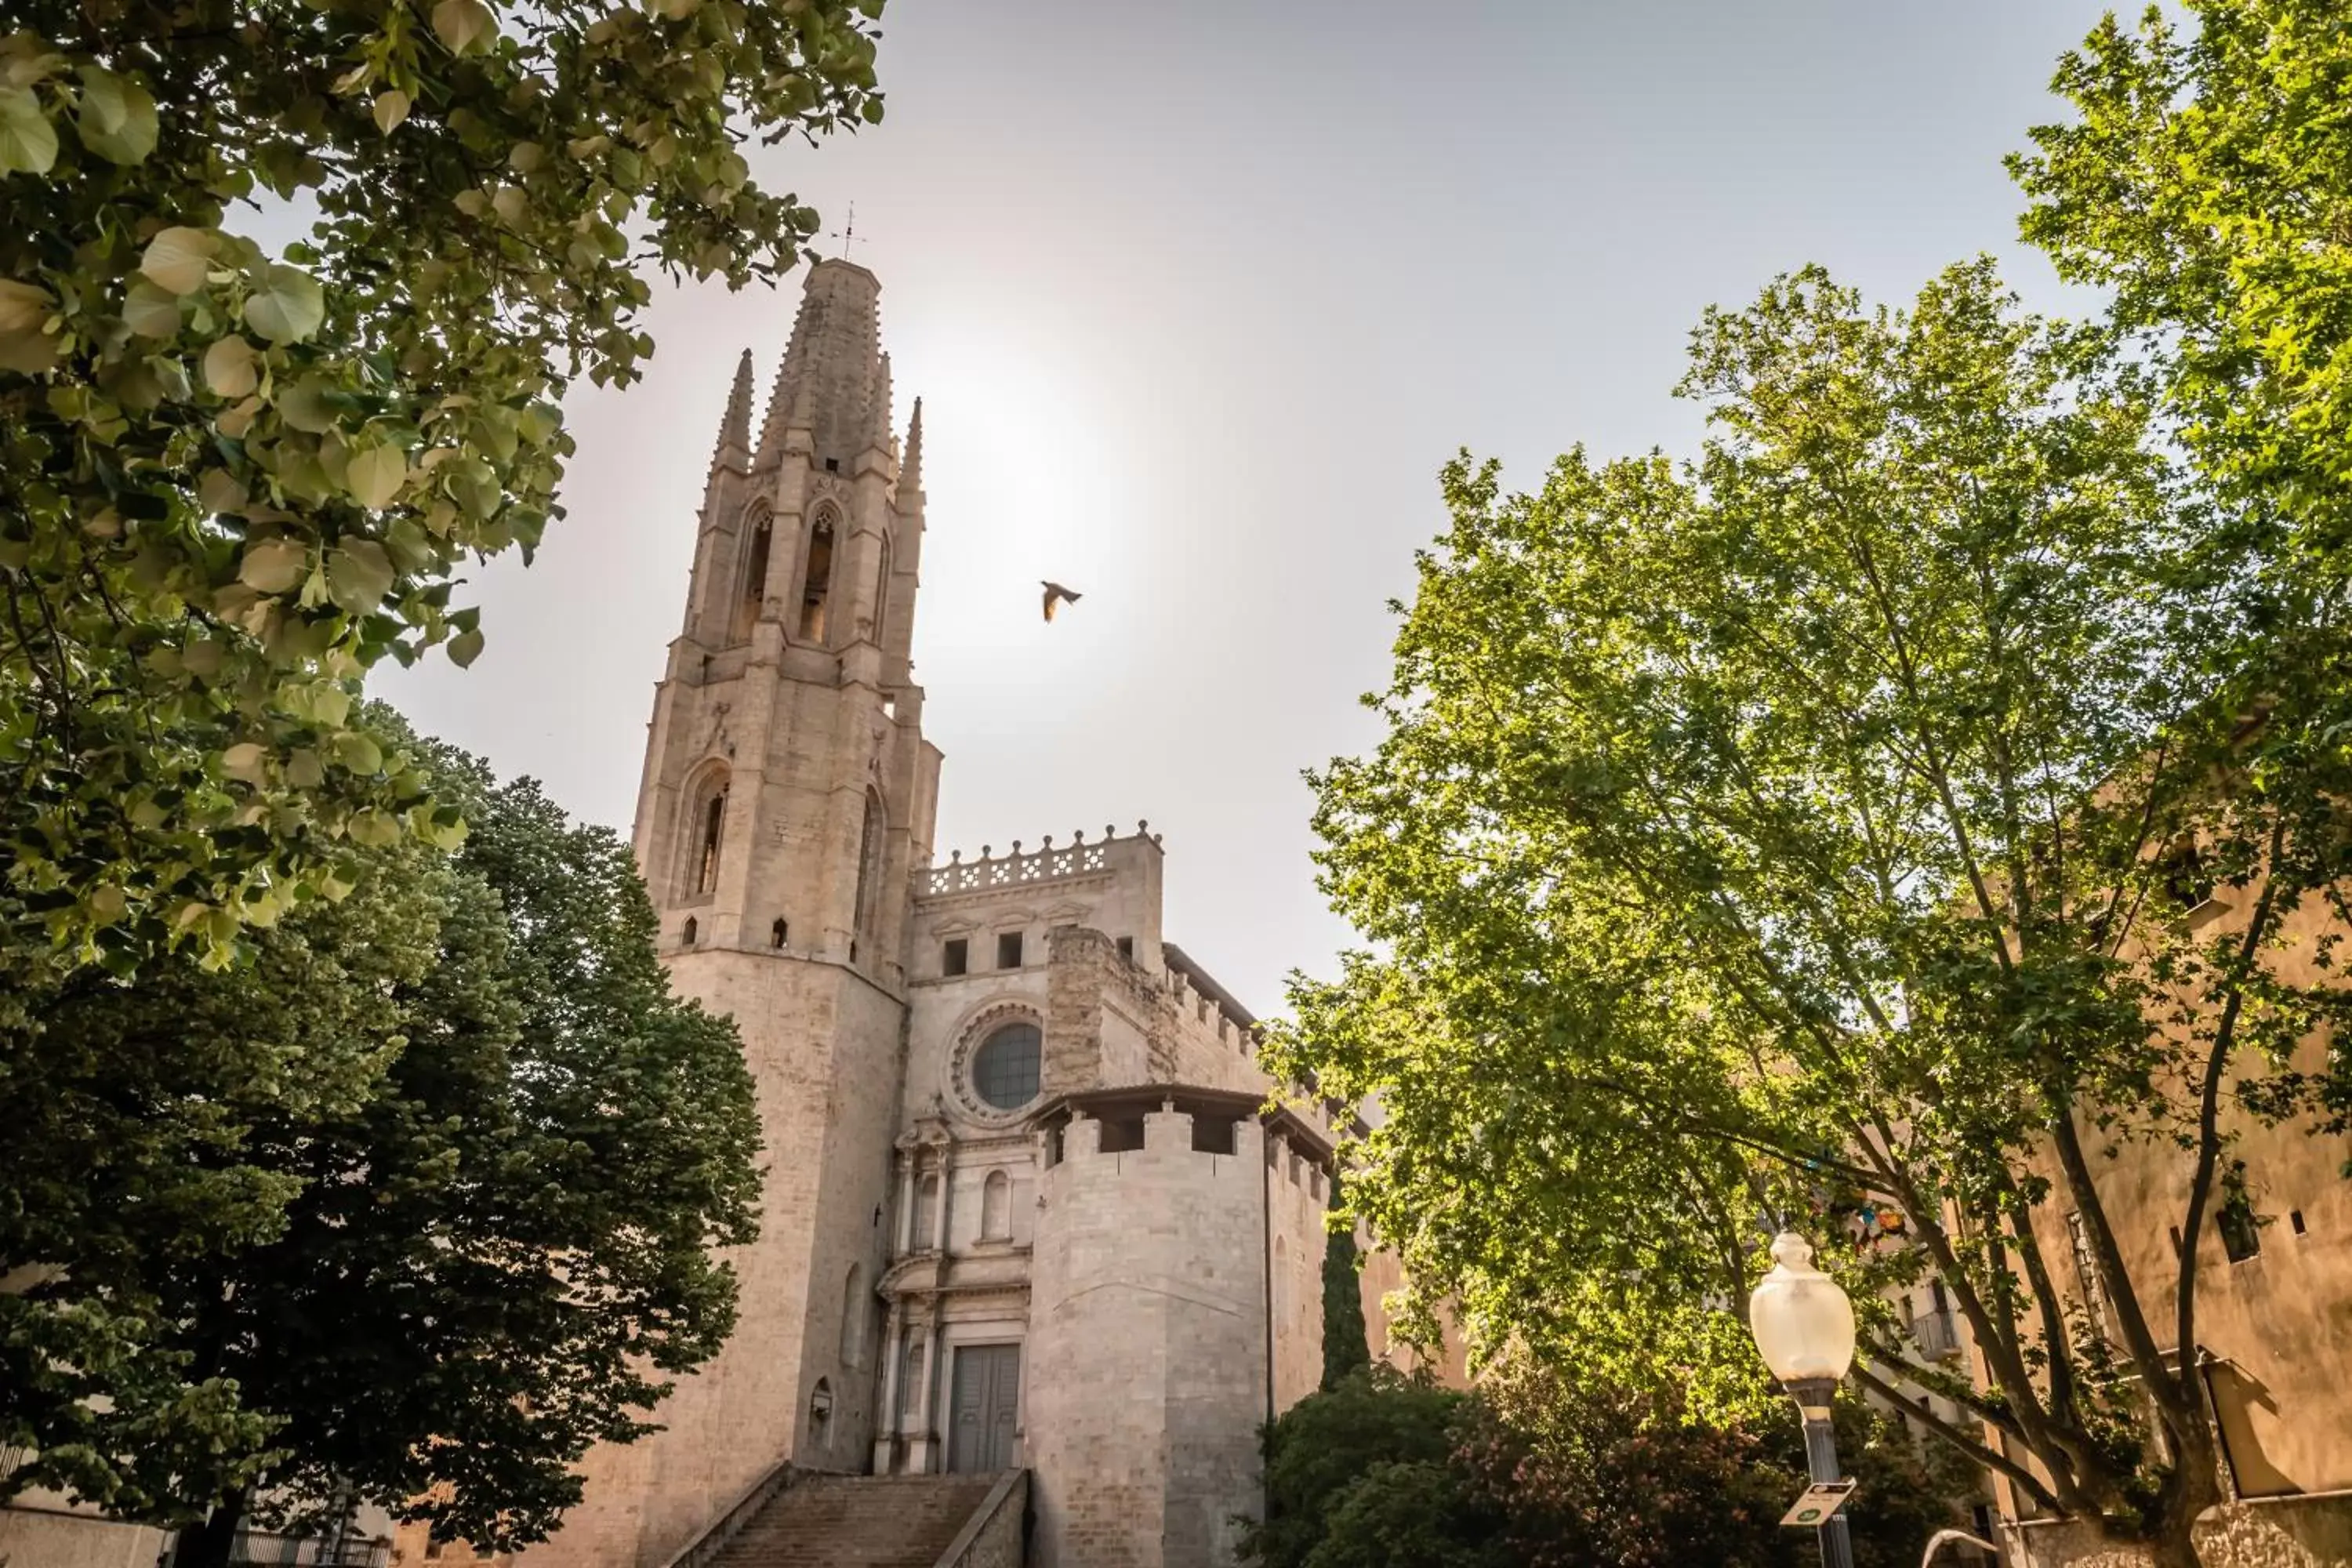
(1365, 1458)
(2202, 183)
(231, 479)
(482, 1252)
(1346, 1347)
(1813, 827)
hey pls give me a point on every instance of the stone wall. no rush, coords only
(54, 1535)
(2287, 1533)
(1147, 1358)
(821, 1044)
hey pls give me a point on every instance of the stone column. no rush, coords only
(886, 1430)
(906, 1224)
(939, 1213)
(923, 1444)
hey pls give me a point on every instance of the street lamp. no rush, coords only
(1803, 1326)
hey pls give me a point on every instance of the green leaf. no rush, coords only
(358, 574)
(177, 260)
(25, 310)
(29, 142)
(274, 565)
(151, 311)
(375, 828)
(389, 110)
(288, 307)
(116, 118)
(462, 26)
(375, 474)
(358, 753)
(464, 648)
(230, 369)
(246, 761)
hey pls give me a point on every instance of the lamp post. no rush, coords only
(1803, 1326)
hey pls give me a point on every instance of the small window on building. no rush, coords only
(955, 958)
(1315, 1182)
(1211, 1135)
(2294, 1218)
(1127, 948)
(779, 933)
(1006, 1069)
(2242, 1235)
(434, 1547)
(833, 465)
(1122, 1134)
(1008, 949)
(686, 933)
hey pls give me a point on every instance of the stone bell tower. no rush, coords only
(787, 794)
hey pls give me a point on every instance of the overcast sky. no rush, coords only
(1199, 297)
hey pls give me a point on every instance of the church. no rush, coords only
(1027, 1216)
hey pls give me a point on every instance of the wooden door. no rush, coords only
(984, 1408)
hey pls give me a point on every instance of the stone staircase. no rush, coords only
(857, 1521)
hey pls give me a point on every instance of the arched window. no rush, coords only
(1006, 1068)
(852, 1318)
(708, 824)
(870, 840)
(882, 594)
(777, 932)
(996, 1207)
(688, 933)
(927, 1205)
(818, 582)
(755, 572)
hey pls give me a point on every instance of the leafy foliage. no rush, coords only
(1538, 1470)
(232, 481)
(418, 1203)
(1831, 823)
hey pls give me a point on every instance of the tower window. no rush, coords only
(710, 836)
(1127, 948)
(755, 573)
(1008, 949)
(817, 581)
(955, 957)
(833, 465)
(779, 933)
(882, 604)
(687, 932)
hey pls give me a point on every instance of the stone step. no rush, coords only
(858, 1521)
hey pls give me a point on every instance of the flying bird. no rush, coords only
(1055, 593)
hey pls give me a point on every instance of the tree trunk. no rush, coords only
(2173, 1548)
(207, 1545)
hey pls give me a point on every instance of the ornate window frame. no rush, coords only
(969, 1037)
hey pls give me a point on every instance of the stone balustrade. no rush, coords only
(1049, 864)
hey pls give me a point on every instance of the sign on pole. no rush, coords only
(1819, 1504)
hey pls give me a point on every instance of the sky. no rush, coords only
(1199, 297)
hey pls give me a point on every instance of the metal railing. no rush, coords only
(1937, 1337)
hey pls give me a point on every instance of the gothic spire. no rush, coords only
(833, 373)
(735, 429)
(910, 466)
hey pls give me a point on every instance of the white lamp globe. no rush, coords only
(1802, 1323)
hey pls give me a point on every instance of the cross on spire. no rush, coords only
(848, 232)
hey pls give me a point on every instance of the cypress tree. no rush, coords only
(1346, 1348)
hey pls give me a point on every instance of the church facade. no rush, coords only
(1025, 1206)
